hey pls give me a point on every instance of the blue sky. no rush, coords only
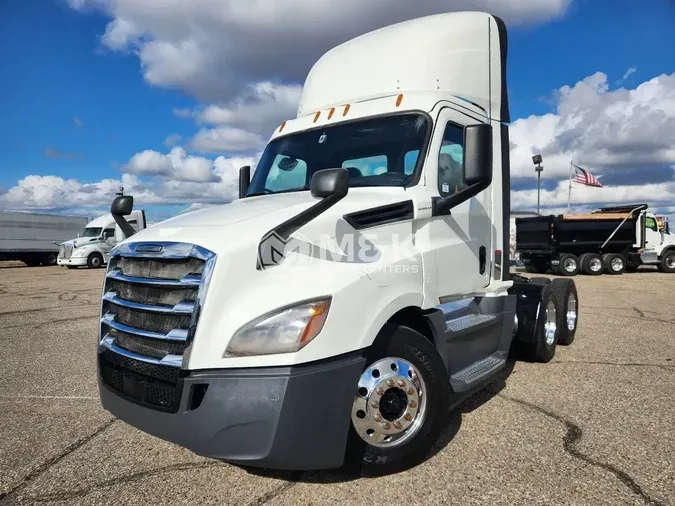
(73, 107)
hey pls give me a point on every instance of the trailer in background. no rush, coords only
(33, 238)
(610, 239)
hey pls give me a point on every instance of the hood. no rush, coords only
(80, 241)
(248, 220)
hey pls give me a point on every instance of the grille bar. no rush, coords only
(181, 307)
(174, 335)
(172, 360)
(189, 280)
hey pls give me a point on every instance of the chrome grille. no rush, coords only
(65, 251)
(149, 313)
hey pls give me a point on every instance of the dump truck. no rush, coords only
(358, 289)
(609, 240)
(33, 238)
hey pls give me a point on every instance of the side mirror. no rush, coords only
(244, 180)
(477, 154)
(330, 183)
(122, 206)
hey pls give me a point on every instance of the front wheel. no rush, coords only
(400, 404)
(94, 261)
(567, 309)
(668, 262)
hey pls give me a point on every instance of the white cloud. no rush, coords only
(213, 48)
(225, 139)
(172, 140)
(177, 165)
(629, 72)
(603, 130)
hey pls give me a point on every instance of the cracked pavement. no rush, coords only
(593, 427)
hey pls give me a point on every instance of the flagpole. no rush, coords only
(569, 191)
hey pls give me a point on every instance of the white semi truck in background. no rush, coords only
(99, 237)
(360, 286)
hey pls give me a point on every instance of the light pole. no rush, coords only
(536, 159)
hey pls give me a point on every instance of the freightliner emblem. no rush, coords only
(149, 248)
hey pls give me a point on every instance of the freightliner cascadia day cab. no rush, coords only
(100, 237)
(611, 239)
(358, 289)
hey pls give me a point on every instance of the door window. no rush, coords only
(108, 233)
(450, 161)
(651, 224)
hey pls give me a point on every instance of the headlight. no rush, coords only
(283, 331)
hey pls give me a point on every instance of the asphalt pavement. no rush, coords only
(596, 426)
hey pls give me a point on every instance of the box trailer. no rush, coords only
(609, 239)
(33, 238)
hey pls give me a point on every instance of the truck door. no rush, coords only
(652, 233)
(461, 238)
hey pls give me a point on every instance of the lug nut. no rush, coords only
(401, 383)
(408, 417)
(375, 404)
(377, 417)
(411, 391)
(387, 426)
(390, 382)
(398, 425)
(412, 404)
(380, 391)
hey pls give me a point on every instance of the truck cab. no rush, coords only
(659, 243)
(99, 238)
(358, 288)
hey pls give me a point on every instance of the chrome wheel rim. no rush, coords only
(550, 326)
(670, 261)
(95, 262)
(571, 312)
(617, 264)
(570, 265)
(595, 264)
(390, 405)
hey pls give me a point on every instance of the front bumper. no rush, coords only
(72, 261)
(294, 417)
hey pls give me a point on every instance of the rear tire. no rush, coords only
(94, 261)
(569, 265)
(567, 309)
(49, 259)
(614, 263)
(406, 346)
(592, 264)
(546, 335)
(668, 262)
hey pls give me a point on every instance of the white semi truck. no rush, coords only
(360, 286)
(99, 238)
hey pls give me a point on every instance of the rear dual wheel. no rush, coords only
(591, 264)
(614, 263)
(400, 403)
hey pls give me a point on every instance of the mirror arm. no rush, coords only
(442, 205)
(127, 229)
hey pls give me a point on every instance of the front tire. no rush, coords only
(94, 261)
(400, 404)
(668, 262)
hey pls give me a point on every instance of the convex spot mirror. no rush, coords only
(477, 167)
(122, 206)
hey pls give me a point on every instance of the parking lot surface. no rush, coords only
(595, 426)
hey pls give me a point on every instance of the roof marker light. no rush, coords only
(346, 110)
(316, 116)
(332, 111)
(282, 126)
(399, 99)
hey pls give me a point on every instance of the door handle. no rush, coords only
(482, 254)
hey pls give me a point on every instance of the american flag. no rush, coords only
(584, 177)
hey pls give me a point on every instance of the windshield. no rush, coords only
(92, 232)
(380, 151)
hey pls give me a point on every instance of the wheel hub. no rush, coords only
(617, 264)
(550, 327)
(670, 261)
(390, 405)
(595, 264)
(571, 312)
